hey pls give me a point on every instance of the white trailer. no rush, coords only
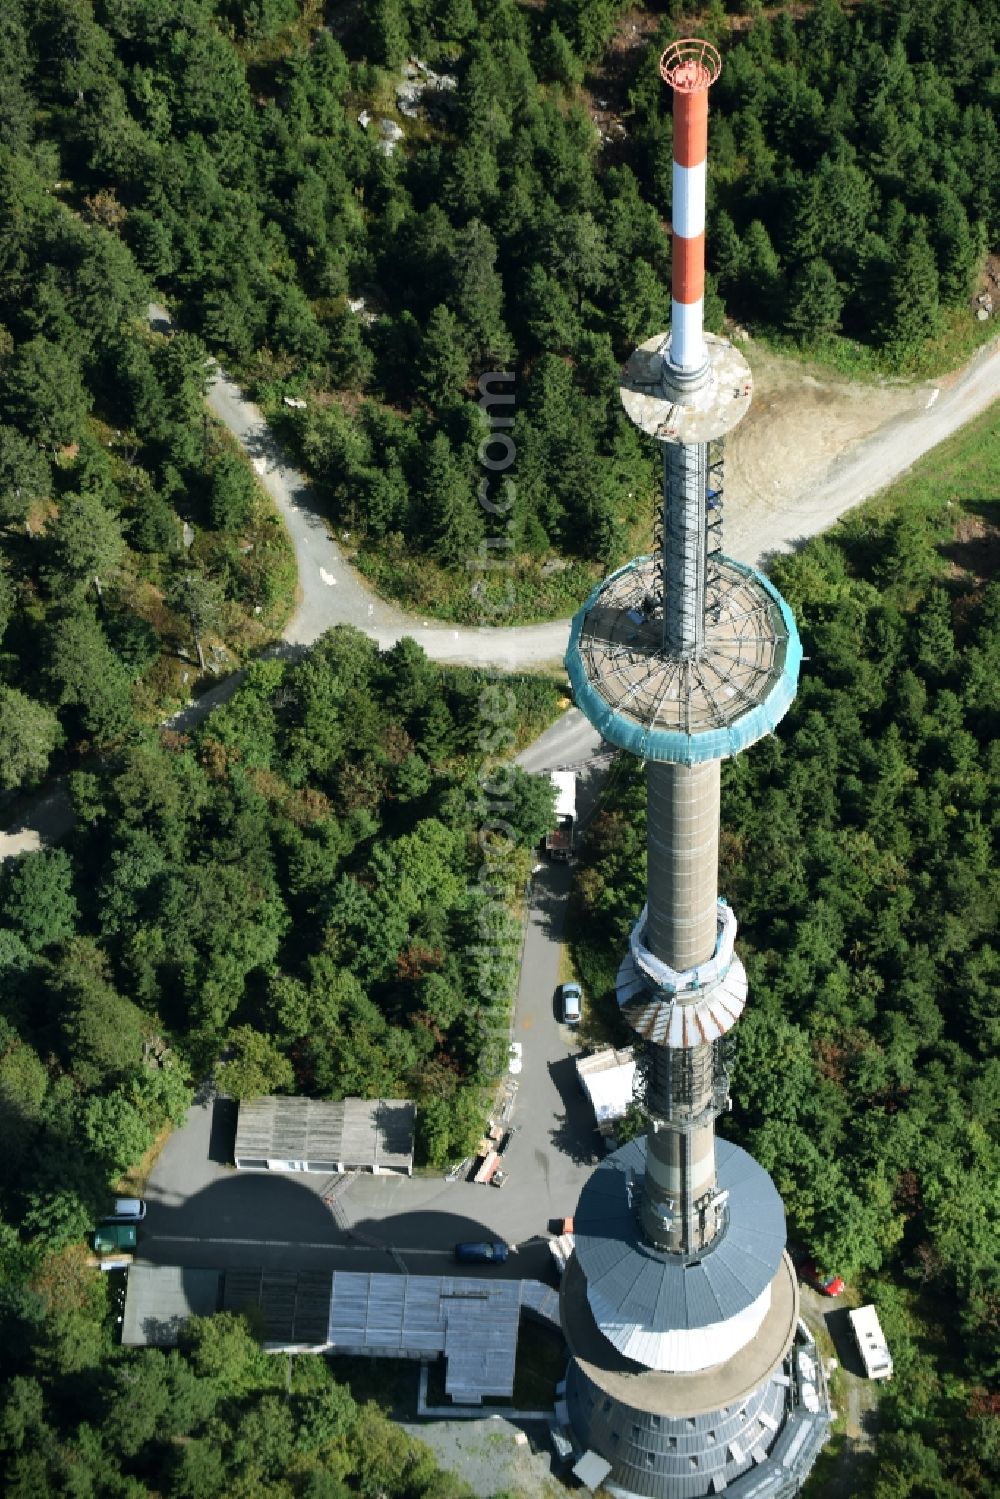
(559, 840)
(871, 1342)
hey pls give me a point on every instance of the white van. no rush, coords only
(127, 1210)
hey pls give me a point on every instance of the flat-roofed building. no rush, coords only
(471, 1322)
(313, 1134)
(161, 1298)
(608, 1079)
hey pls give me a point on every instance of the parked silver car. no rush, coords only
(571, 998)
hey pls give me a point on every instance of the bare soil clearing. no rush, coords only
(813, 447)
(798, 424)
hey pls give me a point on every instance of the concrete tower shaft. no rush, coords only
(678, 1209)
(682, 852)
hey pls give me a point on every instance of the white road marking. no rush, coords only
(932, 398)
(286, 1244)
(405, 1251)
(327, 578)
(255, 1243)
(260, 465)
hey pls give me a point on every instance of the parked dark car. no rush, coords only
(111, 1236)
(493, 1253)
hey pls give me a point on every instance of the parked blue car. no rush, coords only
(482, 1254)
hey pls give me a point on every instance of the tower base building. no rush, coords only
(749, 1424)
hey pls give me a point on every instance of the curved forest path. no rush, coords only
(809, 451)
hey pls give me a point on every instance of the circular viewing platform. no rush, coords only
(672, 412)
(689, 711)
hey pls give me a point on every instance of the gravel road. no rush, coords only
(817, 480)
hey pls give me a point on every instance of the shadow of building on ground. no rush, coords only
(575, 1132)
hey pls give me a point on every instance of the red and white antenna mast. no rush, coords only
(690, 67)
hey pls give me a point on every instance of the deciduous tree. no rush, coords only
(29, 733)
(36, 898)
(253, 1065)
(102, 1032)
(115, 1131)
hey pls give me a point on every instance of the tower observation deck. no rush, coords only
(681, 1306)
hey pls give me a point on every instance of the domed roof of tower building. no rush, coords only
(666, 1310)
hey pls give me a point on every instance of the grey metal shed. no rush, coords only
(313, 1134)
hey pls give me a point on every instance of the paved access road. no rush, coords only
(758, 529)
(332, 593)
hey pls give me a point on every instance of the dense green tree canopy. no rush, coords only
(300, 880)
(29, 732)
(853, 194)
(294, 896)
(214, 1417)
